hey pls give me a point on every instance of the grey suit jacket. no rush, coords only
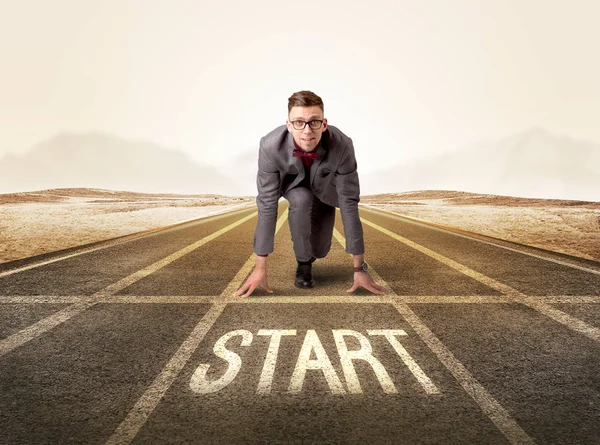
(333, 179)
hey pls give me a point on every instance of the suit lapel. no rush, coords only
(294, 162)
(321, 150)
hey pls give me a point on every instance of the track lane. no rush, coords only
(325, 309)
(529, 275)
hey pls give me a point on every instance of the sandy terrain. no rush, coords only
(571, 227)
(36, 223)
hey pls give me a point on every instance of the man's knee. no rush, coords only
(299, 198)
(321, 251)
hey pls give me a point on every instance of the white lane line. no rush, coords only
(136, 418)
(458, 299)
(61, 258)
(128, 281)
(33, 331)
(490, 406)
(45, 299)
(512, 294)
(558, 299)
(111, 243)
(565, 319)
(138, 415)
(486, 299)
(313, 299)
(490, 282)
(20, 338)
(433, 226)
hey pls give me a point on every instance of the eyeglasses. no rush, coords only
(314, 124)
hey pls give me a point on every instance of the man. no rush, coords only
(312, 165)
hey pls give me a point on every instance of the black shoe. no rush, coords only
(304, 279)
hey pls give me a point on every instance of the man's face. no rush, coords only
(307, 138)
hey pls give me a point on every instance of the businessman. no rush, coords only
(312, 165)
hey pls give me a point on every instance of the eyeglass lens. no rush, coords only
(299, 125)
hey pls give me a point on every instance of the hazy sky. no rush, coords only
(402, 78)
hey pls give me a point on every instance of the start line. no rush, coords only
(201, 385)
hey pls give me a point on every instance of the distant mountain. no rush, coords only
(532, 164)
(244, 166)
(103, 161)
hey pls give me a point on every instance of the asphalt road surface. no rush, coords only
(142, 340)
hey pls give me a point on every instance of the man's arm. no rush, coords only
(348, 189)
(268, 185)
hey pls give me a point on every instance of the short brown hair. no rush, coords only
(305, 99)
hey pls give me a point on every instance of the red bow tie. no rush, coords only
(305, 154)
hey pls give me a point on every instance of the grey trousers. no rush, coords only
(311, 224)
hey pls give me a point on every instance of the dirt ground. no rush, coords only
(570, 227)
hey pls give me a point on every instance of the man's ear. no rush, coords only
(324, 123)
(287, 124)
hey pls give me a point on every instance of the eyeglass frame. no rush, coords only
(309, 124)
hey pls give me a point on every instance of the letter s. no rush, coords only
(200, 384)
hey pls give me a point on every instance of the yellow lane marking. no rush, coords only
(490, 406)
(20, 338)
(138, 415)
(513, 294)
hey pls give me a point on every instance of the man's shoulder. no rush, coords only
(335, 137)
(276, 137)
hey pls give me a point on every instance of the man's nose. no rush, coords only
(307, 129)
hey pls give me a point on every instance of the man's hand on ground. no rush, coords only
(257, 277)
(364, 279)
